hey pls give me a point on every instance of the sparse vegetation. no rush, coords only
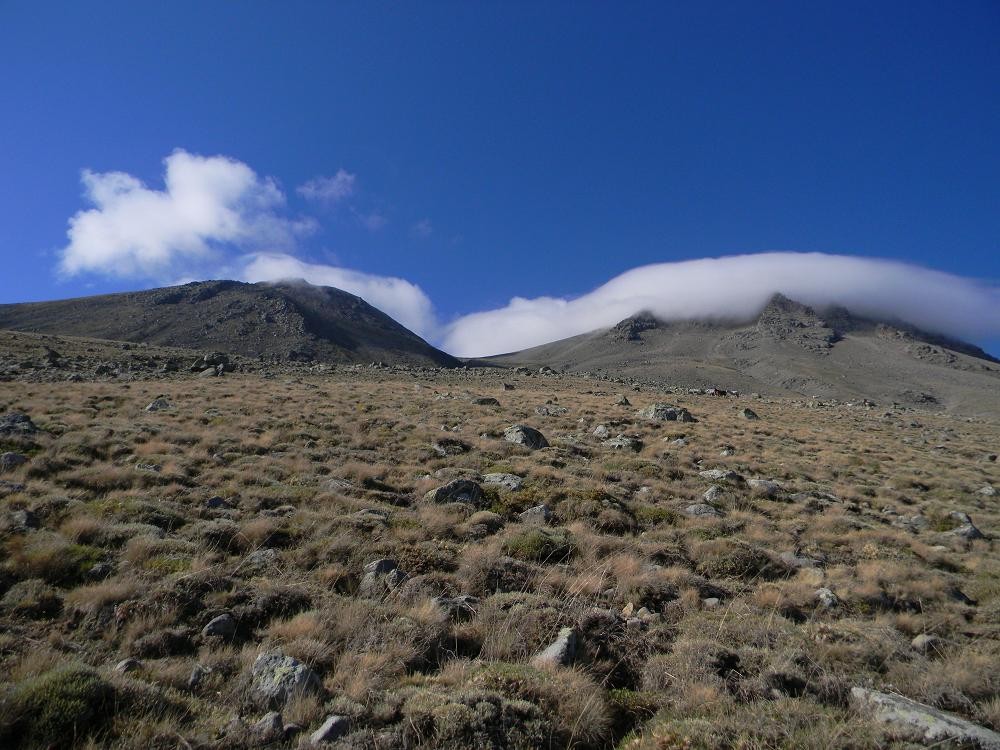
(297, 506)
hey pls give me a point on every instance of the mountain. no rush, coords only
(788, 349)
(286, 321)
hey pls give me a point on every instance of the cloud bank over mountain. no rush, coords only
(215, 217)
(737, 287)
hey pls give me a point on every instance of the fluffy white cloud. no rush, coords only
(328, 189)
(737, 287)
(398, 298)
(207, 203)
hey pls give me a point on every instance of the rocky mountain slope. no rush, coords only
(288, 321)
(789, 349)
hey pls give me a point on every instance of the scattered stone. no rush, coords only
(703, 510)
(927, 644)
(508, 386)
(10, 461)
(713, 494)
(125, 666)
(728, 450)
(9, 488)
(217, 503)
(526, 436)
(967, 530)
(765, 487)
(560, 652)
(198, 674)
(666, 413)
(449, 447)
(381, 578)
(550, 411)
(158, 404)
(623, 401)
(623, 443)
(826, 598)
(381, 567)
(711, 602)
(260, 559)
(16, 424)
(721, 475)
(333, 728)
(223, 626)
(269, 728)
(486, 401)
(457, 491)
(510, 482)
(917, 722)
(275, 678)
(463, 605)
(749, 414)
(539, 514)
(601, 432)
(798, 562)
(153, 468)
(988, 490)
(679, 442)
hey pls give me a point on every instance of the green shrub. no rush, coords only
(540, 545)
(56, 708)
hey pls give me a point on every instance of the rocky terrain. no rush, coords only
(270, 322)
(201, 550)
(788, 350)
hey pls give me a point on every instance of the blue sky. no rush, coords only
(488, 151)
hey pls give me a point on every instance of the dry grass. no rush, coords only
(322, 474)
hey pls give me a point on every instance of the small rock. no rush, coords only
(158, 404)
(217, 503)
(703, 510)
(197, 676)
(749, 414)
(765, 487)
(601, 432)
(713, 494)
(622, 401)
(333, 728)
(10, 461)
(988, 490)
(449, 447)
(666, 413)
(826, 598)
(526, 436)
(927, 644)
(624, 442)
(560, 652)
(486, 401)
(721, 475)
(711, 602)
(381, 567)
(128, 665)
(223, 626)
(539, 514)
(798, 562)
(15, 423)
(457, 491)
(510, 482)
(917, 722)
(270, 727)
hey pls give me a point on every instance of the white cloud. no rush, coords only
(738, 287)
(372, 221)
(329, 189)
(398, 298)
(206, 204)
(422, 229)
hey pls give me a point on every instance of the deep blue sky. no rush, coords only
(550, 145)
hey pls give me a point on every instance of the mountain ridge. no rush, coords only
(279, 321)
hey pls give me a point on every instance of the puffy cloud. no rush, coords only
(206, 204)
(328, 189)
(398, 298)
(737, 287)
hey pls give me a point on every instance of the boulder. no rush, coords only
(457, 491)
(486, 401)
(10, 461)
(765, 487)
(158, 404)
(721, 475)
(916, 722)
(539, 514)
(527, 436)
(275, 678)
(749, 414)
(602, 432)
(16, 424)
(703, 510)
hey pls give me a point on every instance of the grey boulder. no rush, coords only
(529, 437)
(919, 723)
(275, 678)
